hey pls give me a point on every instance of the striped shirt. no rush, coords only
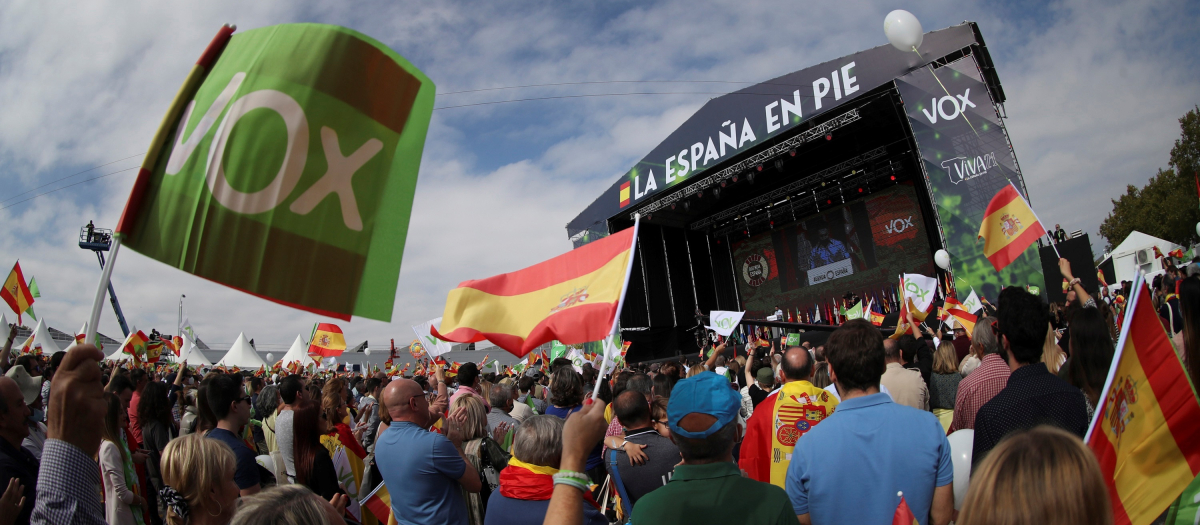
(977, 389)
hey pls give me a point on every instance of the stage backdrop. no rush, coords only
(860, 247)
(967, 159)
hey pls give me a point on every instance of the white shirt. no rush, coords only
(832, 389)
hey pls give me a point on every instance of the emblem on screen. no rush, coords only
(1010, 225)
(966, 168)
(576, 296)
(755, 270)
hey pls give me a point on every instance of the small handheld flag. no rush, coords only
(327, 341)
(16, 292)
(1009, 227)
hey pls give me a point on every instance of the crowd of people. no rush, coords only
(849, 429)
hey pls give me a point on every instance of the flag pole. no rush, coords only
(609, 346)
(102, 289)
(1138, 281)
(1039, 219)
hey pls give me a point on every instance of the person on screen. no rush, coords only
(826, 250)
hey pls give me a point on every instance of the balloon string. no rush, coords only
(947, 91)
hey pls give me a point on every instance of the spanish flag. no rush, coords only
(135, 345)
(16, 293)
(379, 502)
(1146, 434)
(962, 317)
(574, 298)
(327, 341)
(1009, 227)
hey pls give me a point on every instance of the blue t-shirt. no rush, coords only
(508, 511)
(423, 468)
(595, 458)
(246, 473)
(872, 448)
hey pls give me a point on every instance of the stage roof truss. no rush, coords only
(752, 162)
(782, 193)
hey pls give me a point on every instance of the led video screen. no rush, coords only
(859, 247)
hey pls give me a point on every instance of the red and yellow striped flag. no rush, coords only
(327, 341)
(573, 298)
(16, 292)
(1009, 227)
(1146, 434)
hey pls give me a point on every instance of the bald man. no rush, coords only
(427, 469)
(780, 419)
(15, 461)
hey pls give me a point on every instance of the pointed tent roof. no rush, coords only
(241, 355)
(192, 354)
(1137, 240)
(42, 338)
(298, 352)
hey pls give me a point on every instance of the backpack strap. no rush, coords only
(626, 504)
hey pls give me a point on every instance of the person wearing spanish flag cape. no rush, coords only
(785, 415)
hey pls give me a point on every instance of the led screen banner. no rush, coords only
(860, 247)
(967, 159)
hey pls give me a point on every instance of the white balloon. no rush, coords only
(903, 30)
(1198, 228)
(942, 259)
(270, 356)
(367, 351)
(961, 442)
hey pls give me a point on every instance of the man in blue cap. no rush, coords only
(708, 487)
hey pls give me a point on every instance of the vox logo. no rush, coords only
(336, 180)
(948, 107)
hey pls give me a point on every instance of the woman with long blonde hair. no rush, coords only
(1044, 475)
(198, 486)
(943, 383)
(1052, 354)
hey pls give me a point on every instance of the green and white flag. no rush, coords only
(854, 312)
(286, 168)
(557, 350)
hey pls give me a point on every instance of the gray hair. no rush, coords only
(282, 505)
(984, 336)
(499, 396)
(538, 441)
(268, 401)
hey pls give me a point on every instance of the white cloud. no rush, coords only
(85, 85)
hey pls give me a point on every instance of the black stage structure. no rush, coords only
(749, 200)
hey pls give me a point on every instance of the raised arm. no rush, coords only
(1064, 267)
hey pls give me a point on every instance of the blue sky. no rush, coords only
(1094, 91)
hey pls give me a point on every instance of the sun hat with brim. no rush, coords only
(703, 393)
(31, 386)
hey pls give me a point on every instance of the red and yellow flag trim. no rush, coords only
(1009, 227)
(573, 298)
(1146, 433)
(327, 341)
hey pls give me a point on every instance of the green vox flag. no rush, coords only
(33, 288)
(557, 350)
(793, 340)
(855, 312)
(286, 168)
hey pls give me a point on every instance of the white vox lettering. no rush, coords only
(183, 149)
(337, 178)
(899, 225)
(958, 104)
(294, 158)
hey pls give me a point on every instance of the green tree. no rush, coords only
(1167, 206)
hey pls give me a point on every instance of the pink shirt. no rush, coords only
(468, 391)
(977, 389)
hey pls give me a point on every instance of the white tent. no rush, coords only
(298, 352)
(193, 355)
(241, 355)
(119, 355)
(42, 339)
(1136, 253)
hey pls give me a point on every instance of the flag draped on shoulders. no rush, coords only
(1009, 227)
(573, 298)
(285, 167)
(1146, 433)
(777, 424)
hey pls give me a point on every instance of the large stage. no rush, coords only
(832, 179)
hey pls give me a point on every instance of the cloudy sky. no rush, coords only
(1094, 91)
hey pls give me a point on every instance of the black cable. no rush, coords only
(68, 176)
(68, 186)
